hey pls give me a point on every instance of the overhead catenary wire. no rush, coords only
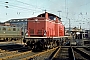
(34, 5)
(30, 5)
(10, 6)
(16, 6)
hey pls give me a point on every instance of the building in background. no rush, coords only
(22, 23)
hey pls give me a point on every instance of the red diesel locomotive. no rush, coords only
(45, 24)
(45, 30)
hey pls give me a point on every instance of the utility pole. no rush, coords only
(59, 14)
(69, 26)
(45, 10)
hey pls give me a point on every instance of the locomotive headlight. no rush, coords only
(36, 20)
(44, 32)
(4, 32)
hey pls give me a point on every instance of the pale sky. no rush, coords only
(78, 11)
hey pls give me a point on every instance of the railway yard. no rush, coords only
(43, 38)
(13, 52)
(17, 51)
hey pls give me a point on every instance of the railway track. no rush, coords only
(70, 53)
(41, 56)
(81, 54)
(11, 47)
(62, 54)
(15, 55)
(58, 53)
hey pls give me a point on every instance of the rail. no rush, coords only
(12, 52)
(55, 53)
(33, 56)
(83, 53)
(8, 57)
(72, 54)
(2, 50)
